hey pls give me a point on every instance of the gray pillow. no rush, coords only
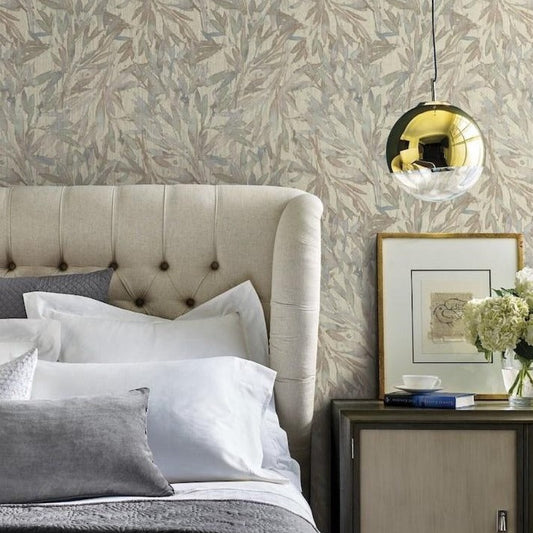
(78, 447)
(92, 285)
(16, 377)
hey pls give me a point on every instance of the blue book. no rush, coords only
(435, 400)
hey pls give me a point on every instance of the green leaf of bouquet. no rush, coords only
(501, 292)
(479, 348)
(524, 350)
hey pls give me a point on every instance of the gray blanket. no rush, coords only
(198, 516)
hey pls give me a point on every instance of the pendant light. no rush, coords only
(435, 151)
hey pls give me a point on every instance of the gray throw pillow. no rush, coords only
(16, 377)
(78, 447)
(92, 285)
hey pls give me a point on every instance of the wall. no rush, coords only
(282, 92)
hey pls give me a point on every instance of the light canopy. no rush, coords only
(435, 151)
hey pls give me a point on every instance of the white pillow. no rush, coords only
(19, 335)
(204, 416)
(242, 299)
(99, 340)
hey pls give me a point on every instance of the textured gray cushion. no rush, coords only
(92, 285)
(77, 448)
(16, 377)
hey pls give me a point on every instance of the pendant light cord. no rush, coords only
(434, 80)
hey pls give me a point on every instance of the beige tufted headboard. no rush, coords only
(175, 246)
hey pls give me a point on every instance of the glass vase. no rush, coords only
(518, 379)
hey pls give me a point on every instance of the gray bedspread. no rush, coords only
(198, 516)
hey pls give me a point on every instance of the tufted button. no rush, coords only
(11, 266)
(63, 266)
(139, 302)
(113, 265)
(214, 265)
(190, 302)
(164, 265)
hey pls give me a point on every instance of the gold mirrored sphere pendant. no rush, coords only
(435, 151)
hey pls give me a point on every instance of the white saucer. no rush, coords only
(417, 390)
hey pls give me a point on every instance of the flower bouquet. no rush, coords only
(504, 323)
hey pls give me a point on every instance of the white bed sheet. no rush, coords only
(286, 496)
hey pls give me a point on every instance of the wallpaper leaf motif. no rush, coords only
(300, 93)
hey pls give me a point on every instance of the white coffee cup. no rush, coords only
(421, 381)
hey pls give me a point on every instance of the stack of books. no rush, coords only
(434, 400)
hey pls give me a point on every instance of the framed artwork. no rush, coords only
(424, 280)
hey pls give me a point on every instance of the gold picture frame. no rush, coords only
(423, 280)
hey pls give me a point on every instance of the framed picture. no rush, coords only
(424, 280)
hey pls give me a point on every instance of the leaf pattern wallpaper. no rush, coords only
(298, 93)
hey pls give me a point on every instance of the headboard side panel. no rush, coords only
(295, 309)
(163, 240)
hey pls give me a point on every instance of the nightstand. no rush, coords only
(406, 470)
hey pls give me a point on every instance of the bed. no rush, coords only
(169, 250)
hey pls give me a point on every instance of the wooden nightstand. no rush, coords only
(406, 470)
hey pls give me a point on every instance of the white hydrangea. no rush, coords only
(524, 285)
(471, 319)
(501, 322)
